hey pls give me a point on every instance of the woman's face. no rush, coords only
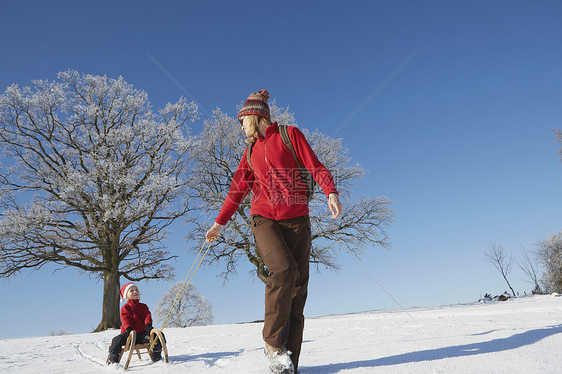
(245, 125)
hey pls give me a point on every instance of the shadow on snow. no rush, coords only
(495, 345)
(209, 358)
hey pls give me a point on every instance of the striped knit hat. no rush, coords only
(256, 104)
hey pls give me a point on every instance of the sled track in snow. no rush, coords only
(80, 349)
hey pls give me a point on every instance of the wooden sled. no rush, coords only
(130, 346)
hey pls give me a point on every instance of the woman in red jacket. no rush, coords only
(280, 223)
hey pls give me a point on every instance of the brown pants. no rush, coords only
(284, 247)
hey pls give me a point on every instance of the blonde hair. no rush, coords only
(254, 122)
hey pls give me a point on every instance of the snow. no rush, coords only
(520, 335)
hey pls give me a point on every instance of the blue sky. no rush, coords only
(449, 105)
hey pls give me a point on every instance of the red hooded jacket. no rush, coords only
(136, 315)
(274, 178)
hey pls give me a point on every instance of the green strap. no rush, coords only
(289, 144)
(248, 154)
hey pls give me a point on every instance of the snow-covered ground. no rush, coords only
(521, 335)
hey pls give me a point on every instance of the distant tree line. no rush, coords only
(542, 267)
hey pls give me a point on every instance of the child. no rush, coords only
(134, 316)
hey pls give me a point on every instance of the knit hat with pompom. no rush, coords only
(256, 104)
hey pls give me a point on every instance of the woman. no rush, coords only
(280, 223)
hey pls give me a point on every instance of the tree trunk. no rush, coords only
(509, 285)
(110, 309)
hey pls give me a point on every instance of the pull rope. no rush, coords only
(380, 285)
(186, 283)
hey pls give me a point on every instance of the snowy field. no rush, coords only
(523, 335)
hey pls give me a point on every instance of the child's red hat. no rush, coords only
(124, 289)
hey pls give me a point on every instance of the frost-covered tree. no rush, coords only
(549, 252)
(191, 309)
(91, 178)
(216, 156)
(558, 135)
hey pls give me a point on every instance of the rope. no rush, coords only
(186, 282)
(380, 285)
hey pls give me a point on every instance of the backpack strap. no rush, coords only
(305, 175)
(249, 154)
(289, 144)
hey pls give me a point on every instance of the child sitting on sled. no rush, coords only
(134, 316)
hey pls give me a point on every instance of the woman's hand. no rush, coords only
(213, 232)
(334, 205)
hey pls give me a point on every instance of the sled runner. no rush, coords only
(130, 346)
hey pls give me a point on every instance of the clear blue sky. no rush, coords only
(449, 105)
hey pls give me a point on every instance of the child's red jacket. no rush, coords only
(277, 191)
(136, 315)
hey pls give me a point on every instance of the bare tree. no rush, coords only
(216, 157)
(502, 262)
(530, 269)
(91, 178)
(191, 309)
(549, 252)
(58, 332)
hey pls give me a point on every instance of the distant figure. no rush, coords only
(134, 316)
(280, 222)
